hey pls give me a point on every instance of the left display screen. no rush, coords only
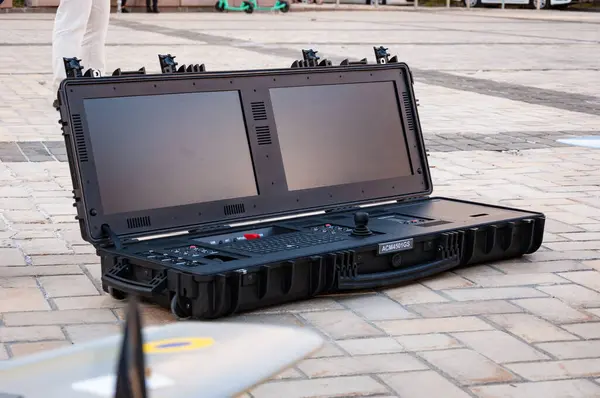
(169, 150)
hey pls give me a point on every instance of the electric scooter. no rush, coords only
(248, 6)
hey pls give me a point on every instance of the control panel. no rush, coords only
(189, 256)
(330, 228)
(238, 245)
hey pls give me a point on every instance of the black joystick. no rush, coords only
(361, 219)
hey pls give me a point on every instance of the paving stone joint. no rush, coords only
(496, 90)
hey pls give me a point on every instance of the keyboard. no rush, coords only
(290, 241)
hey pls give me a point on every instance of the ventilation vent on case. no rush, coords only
(263, 135)
(259, 110)
(234, 209)
(138, 222)
(79, 140)
(410, 119)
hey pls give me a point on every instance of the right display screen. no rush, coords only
(340, 134)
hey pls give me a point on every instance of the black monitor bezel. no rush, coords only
(273, 199)
(236, 93)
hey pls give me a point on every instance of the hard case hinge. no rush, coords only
(65, 127)
(411, 199)
(208, 228)
(76, 194)
(341, 209)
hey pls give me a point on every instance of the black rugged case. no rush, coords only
(461, 233)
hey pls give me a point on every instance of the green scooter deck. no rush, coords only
(249, 6)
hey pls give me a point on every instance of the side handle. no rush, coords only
(117, 277)
(402, 275)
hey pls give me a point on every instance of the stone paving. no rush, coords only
(496, 90)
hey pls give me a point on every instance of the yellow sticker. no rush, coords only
(182, 344)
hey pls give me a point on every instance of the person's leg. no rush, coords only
(154, 7)
(67, 36)
(94, 40)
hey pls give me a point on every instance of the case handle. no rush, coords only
(115, 277)
(379, 279)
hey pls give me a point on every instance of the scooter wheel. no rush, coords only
(285, 6)
(219, 6)
(182, 309)
(249, 7)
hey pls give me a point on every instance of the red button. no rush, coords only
(251, 236)
(192, 247)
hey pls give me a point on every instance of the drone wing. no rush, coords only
(186, 359)
(131, 369)
(588, 142)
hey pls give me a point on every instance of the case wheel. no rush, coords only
(181, 310)
(117, 294)
(249, 7)
(219, 6)
(286, 6)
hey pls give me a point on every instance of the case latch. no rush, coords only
(310, 59)
(345, 265)
(451, 245)
(169, 65)
(382, 56)
(73, 69)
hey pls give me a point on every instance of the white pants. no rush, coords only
(80, 29)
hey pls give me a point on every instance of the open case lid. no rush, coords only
(165, 153)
